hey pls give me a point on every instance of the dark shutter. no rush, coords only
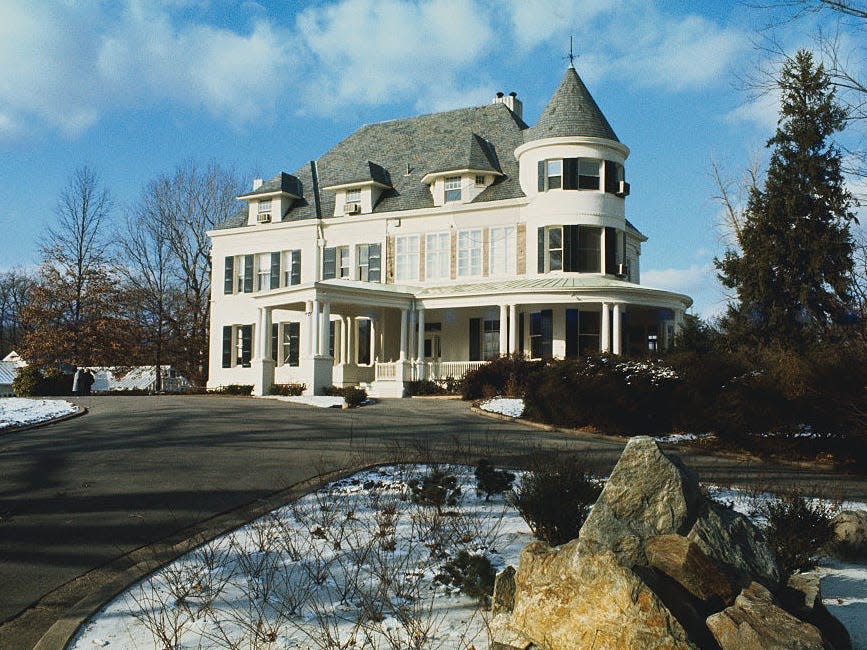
(541, 251)
(571, 248)
(275, 340)
(611, 177)
(248, 274)
(229, 278)
(246, 334)
(275, 270)
(521, 332)
(331, 331)
(547, 333)
(329, 263)
(541, 175)
(571, 333)
(570, 173)
(374, 263)
(294, 337)
(475, 339)
(227, 346)
(295, 276)
(610, 251)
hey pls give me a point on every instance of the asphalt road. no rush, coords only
(80, 499)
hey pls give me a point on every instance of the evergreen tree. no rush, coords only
(794, 270)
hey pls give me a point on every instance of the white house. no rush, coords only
(9, 366)
(418, 248)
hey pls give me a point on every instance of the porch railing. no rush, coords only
(386, 371)
(441, 370)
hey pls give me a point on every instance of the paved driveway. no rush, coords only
(77, 495)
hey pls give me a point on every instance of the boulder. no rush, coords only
(648, 494)
(683, 561)
(568, 599)
(503, 599)
(756, 622)
(850, 532)
(803, 597)
(732, 541)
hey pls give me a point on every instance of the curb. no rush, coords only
(116, 576)
(550, 427)
(80, 410)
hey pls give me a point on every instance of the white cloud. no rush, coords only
(761, 111)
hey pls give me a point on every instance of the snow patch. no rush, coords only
(20, 411)
(320, 401)
(510, 406)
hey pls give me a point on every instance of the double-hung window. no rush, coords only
(291, 268)
(452, 188)
(406, 258)
(353, 196)
(263, 272)
(335, 262)
(501, 260)
(368, 262)
(237, 345)
(290, 344)
(588, 174)
(554, 174)
(244, 268)
(469, 252)
(437, 256)
(551, 249)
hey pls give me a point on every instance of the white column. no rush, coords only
(308, 329)
(324, 324)
(420, 357)
(513, 329)
(615, 347)
(504, 328)
(315, 329)
(403, 326)
(606, 328)
(373, 346)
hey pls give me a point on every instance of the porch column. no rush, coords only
(618, 337)
(263, 365)
(420, 357)
(403, 326)
(513, 329)
(373, 346)
(606, 328)
(314, 329)
(346, 323)
(504, 329)
(308, 329)
(324, 324)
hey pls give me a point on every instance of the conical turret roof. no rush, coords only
(572, 111)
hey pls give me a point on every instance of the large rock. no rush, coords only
(648, 494)
(850, 532)
(503, 599)
(570, 601)
(684, 562)
(756, 622)
(803, 598)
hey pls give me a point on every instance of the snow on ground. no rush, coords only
(19, 411)
(321, 401)
(675, 438)
(513, 407)
(354, 565)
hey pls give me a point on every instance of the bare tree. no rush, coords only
(189, 203)
(14, 292)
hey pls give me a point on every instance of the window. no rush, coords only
(335, 262)
(363, 338)
(588, 174)
(614, 175)
(589, 328)
(353, 196)
(501, 260)
(453, 188)
(291, 344)
(245, 274)
(589, 249)
(406, 258)
(265, 206)
(368, 262)
(432, 343)
(569, 174)
(437, 256)
(229, 275)
(553, 249)
(469, 252)
(480, 180)
(541, 334)
(490, 339)
(237, 345)
(263, 273)
(291, 268)
(570, 248)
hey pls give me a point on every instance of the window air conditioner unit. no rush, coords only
(352, 208)
(264, 217)
(622, 270)
(622, 188)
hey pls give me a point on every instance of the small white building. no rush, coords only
(9, 366)
(419, 248)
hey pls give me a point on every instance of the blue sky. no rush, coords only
(133, 88)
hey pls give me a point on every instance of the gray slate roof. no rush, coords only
(399, 153)
(571, 111)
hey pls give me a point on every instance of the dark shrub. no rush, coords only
(28, 382)
(424, 387)
(234, 389)
(288, 390)
(437, 489)
(354, 396)
(555, 499)
(797, 528)
(490, 480)
(55, 382)
(472, 573)
(512, 372)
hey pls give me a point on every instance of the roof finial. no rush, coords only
(571, 56)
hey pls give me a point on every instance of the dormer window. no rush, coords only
(452, 188)
(264, 211)
(354, 195)
(480, 180)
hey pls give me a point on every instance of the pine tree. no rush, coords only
(794, 270)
